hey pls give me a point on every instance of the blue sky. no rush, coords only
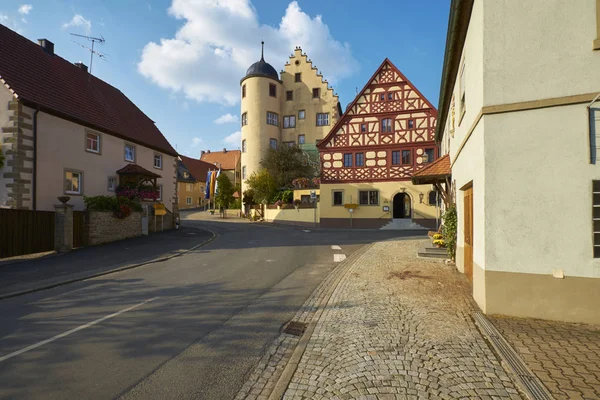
(181, 61)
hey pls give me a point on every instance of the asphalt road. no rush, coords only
(190, 327)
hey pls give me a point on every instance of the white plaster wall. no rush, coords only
(61, 144)
(5, 97)
(539, 49)
(539, 192)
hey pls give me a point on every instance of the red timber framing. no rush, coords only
(388, 115)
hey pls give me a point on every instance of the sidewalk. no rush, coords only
(79, 264)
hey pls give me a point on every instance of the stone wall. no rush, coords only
(102, 227)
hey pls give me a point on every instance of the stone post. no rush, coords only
(63, 227)
(175, 214)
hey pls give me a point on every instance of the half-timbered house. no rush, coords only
(370, 155)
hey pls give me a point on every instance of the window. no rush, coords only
(301, 139)
(272, 90)
(368, 197)
(386, 125)
(338, 197)
(158, 161)
(316, 93)
(92, 142)
(190, 187)
(244, 172)
(596, 216)
(289, 121)
(301, 114)
(463, 106)
(273, 143)
(73, 181)
(130, 152)
(322, 119)
(390, 96)
(272, 118)
(395, 158)
(434, 199)
(348, 160)
(289, 95)
(112, 183)
(429, 156)
(382, 97)
(244, 119)
(359, 159)
(159, 190)
(297, 77)
(305, 198)
(406, 159)
(411, 123)
(243, 91)
(244, 146)
(289, 144)
(188, 201)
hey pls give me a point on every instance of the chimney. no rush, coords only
(47, 46)
(202, 152)
(224, 150)
(81, 66)
(207, 151)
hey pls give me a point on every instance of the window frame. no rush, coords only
(289, 119)
(189, 187)
(98, 139)
(244, 172)
(303, 113)
(362, 162)
(188, 201)
(159, 189)
(333, 192)
(425, 152)
(390, 126)
(298, 77)
(243, 145)
(390, 96)
(410, 124)
(595, 218)
(160, 157)
(369, 203)
(80, 182)
(289, 95)
(462, 92)
(244, 118)
(410, 157)
(272, 90)
(382, 96)
(125, 152)
(108, 179)
(276, 119)
(318, 91)
(399, 152)
(321, 114)
(349, 156)
(363, 128)
(243, 90)
(303, 136)
(271, 141)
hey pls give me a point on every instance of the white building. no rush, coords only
(520, 118)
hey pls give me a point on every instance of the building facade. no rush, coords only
(298, 107)
(369, 156)
(191, 182)
(67, 133)
(520, 121)
(229, 161)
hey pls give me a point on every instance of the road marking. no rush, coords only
(67, 333)
(305, 230)
(339, 257)
(335, 247)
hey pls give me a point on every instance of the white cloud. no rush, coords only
(197, 141)
(234, 139)
(25, 8)
(226, 119)
(206, 58)
(80, 22)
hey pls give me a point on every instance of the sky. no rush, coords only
(181, 61)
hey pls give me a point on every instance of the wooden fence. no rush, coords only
(78, 229)
(25, 232)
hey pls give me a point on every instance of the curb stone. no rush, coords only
(112, 271)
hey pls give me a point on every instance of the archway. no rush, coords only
(402, 206)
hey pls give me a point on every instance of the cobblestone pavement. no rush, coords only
(399, 327)
(564, 356)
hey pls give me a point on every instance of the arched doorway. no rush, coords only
(402, 206)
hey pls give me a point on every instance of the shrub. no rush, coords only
(120, 206)
(449, 230)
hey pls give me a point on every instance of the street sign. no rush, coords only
(351, 206)
(313, 194)
(159, 209)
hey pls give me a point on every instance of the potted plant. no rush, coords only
(439, 243)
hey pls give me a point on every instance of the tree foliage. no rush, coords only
(285, 164)
(225, 191)
(449, 230)
(263, 185)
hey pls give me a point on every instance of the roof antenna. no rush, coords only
(262, 51)
(100, 40)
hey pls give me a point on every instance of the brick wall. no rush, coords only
(102, 227)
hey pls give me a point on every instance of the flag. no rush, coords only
(217, 181)
(207, 194)
(213, 181)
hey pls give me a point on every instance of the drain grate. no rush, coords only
(295, 328)
(534, 388)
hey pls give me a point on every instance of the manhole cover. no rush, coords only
(295, 328)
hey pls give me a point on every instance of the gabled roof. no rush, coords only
(62, 89)
(434, 172)
(342, 119)
(134, 169)
(197, 168)
(227, 159)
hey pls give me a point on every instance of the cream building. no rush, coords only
(519, 117)
(298, 107)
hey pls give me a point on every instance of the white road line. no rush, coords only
(67, 333)
(339, 257)
(335, 247)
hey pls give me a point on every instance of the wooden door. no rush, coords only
(468, 232)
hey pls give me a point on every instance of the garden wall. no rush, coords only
(298, 217)
(102, 227)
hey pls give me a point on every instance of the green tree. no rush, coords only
(263, 185)
(285, 164)
(225, 191)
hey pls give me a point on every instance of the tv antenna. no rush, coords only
(99, 40)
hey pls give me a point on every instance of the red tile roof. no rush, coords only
(228, 159)
(134, 169)
(60, 88)
(198, 169)
(440, 168)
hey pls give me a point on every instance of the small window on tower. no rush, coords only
(289, 95)
(272, 90)
(243, 91)
(297, 77)
(316, 93)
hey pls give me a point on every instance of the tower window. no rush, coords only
(297, 77)
(243, 91)
(316, 93)
(244, 146)
(244, 119)
(301, 114)
(289, 121)
(272, 118)
(244, 172)
(289, 95)
(272, 90)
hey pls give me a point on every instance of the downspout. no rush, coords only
(34, 180)
(592, 138)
